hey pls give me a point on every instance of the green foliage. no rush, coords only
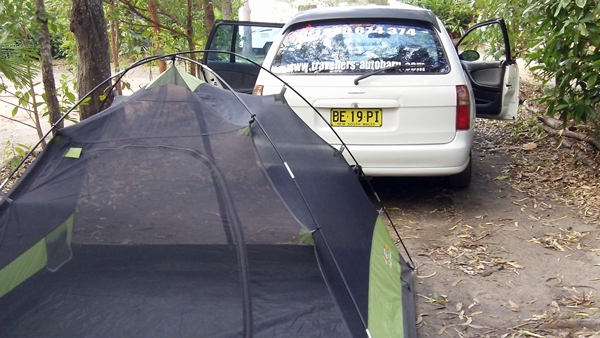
(455, 14)
(520, 21)
(19, 53)
(493, 47)
(568, 55)
(310, 4)
(332, 3)
(560, 39)
(61, 38)
(179, 30)
(15, 153)
(16, 40)
(306, 7)
(65, 92)
(13, 62)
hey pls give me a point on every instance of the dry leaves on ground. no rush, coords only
(6, 170)
(560, 241)
(470, 255)
(541, 166)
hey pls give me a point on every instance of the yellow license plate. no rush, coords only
(355, 117)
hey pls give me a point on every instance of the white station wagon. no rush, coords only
(391, 84)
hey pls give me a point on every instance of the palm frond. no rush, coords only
(14, 62)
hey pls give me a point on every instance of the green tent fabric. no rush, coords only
(176, 76)
(180, 211)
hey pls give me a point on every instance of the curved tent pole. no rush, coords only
(286, 85)
(299, 190)
(53, 127)
(81, 100)
(328, 247)
(173, 57)
(358, 167)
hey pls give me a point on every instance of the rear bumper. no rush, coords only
(413, 160)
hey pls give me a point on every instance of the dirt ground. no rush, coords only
(493, 260)
(19, 129)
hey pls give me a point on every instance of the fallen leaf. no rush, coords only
(475, 303)
(530, 146)
(513, 306)
(419, 320)
(431, 275)
(530, 334)
(458, 281)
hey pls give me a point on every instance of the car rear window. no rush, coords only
(360, 47)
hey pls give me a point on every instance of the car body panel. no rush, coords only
(418, 135)
(406, 120)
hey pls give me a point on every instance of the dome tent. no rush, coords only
(182, 211)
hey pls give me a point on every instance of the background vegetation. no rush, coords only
(457, 15)
(558, 38)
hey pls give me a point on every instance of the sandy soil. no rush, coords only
(492, 261)
(19, 129)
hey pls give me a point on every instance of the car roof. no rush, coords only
(365, 12)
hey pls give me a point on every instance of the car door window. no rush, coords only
(489, 39)
(251, 41)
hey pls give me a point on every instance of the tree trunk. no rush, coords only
(34, 107)
(190, 34)
(226, 9)
(93, 57)
(114, 43)
(47, 67)
(246, 11)
(209, 15)
(247, 30)
(162, 65)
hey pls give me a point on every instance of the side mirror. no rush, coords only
(469, 55)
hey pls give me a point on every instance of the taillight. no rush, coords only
(258, 90)
(463, 108)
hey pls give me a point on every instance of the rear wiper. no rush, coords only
(381, 70)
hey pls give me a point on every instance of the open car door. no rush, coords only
(250, 39)
(485, 55)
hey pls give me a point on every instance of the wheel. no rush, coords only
(462, 179)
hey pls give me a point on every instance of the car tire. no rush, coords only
(462, 179)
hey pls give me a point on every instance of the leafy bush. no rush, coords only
(14, 153)
(560, 38)
(567, 54)
(456, 15)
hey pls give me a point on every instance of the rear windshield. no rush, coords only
(360, 47)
